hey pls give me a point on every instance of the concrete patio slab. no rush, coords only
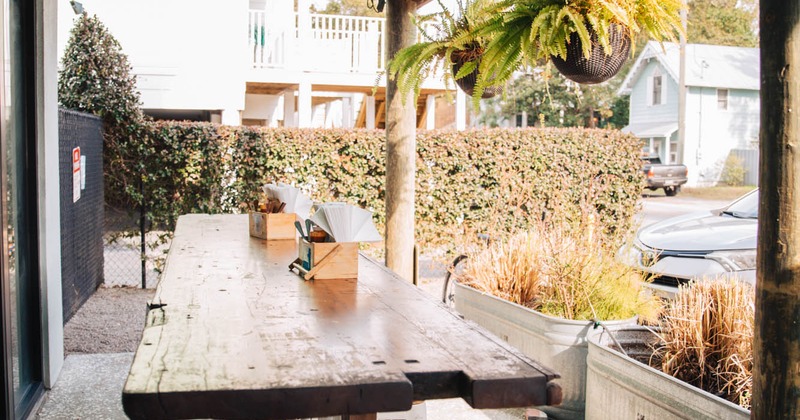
(89, 387)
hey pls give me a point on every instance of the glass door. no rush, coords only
(22, 351)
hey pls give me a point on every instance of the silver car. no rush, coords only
(710, 244)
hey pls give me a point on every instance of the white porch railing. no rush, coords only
(348, 41)
(267, 41)
(329, 43)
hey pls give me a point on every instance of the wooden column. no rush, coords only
(400, 148)
(430, 112)
(776, 373)
(461, 110)
(370, 123)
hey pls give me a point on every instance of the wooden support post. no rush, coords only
(776, 370)
(400, 147)
(370, 114)
(430, 112)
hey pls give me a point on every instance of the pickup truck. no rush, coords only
(668, 177)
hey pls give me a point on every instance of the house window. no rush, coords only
(722, 99)
(656, 90)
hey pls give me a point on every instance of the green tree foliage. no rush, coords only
(96, 75)
(722, 22)
(96, 78)
(349, 8)
(552, 101)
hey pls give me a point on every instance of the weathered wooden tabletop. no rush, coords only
(232, 333)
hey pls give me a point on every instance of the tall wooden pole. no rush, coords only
(401, 148)
(681, 91)
(776, 376)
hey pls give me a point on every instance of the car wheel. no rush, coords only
(671, 191)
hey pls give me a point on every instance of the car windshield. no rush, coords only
(745, 208)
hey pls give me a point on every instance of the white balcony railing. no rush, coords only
(329, 43)
(267, 41)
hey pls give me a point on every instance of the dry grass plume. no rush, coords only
(561, 271)
(708, 336)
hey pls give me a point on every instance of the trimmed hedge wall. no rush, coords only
(473, 181)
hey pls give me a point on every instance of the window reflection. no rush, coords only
(20, 263)
(10, 150)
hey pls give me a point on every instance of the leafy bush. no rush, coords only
(708, 336)
(733, 171)
(490, 181)
(564, 271)
(96, 78)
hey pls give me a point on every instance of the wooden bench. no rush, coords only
(232, 333)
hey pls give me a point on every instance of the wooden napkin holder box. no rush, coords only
(272, 226)
(327, 260)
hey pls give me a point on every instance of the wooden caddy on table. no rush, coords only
(272, 226)
(327, 260)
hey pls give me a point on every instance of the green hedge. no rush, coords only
(473, 181)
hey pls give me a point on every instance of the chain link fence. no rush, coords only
(126, 263)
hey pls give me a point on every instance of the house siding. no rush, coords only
(641, 111)
(711, 133)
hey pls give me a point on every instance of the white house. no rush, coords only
(722, 105)
(255, 62)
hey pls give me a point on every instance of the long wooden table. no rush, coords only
(232, 333)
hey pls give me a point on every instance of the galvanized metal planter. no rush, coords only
(558, 343)
(618, 386)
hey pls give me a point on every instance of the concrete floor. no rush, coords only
(89, 387)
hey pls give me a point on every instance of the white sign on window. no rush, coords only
(76, 174)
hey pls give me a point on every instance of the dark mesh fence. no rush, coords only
(80, 135)
(99, 244)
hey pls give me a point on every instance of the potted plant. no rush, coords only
(587, 40)
(697, 365)
(546, 290)
(448, 43)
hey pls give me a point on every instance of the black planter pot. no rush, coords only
(467, 83)
(599, 67)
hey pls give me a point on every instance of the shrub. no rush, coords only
(560, 270)
(708, 335)
(491, 181)
(95, 78)
(733, 171)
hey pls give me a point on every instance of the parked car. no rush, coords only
(718, 243)
(668, 177)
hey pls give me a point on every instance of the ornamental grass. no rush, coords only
(562, 270)
(708, 338)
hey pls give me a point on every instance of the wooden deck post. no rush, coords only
(776, 370)
(400, 147)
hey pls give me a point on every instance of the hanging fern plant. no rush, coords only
(500, 37)
(450, 47)
(531, 32)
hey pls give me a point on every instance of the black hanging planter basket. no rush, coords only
(599, 67)
(467, 83)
